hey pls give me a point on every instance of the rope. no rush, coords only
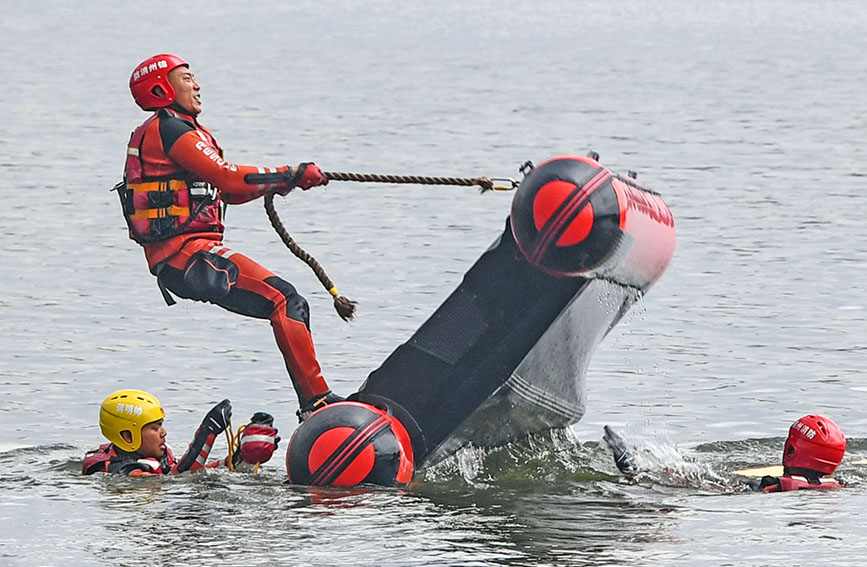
(231, 442)
(483, 182)
(234, 442)
(345, 308)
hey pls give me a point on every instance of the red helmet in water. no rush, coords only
(150, 74)
(814, 443)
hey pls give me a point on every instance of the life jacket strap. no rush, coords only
(171, 211)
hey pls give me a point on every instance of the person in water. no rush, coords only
(132, 421)
(175, 189)
(812, 452)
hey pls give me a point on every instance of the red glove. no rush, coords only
(308, 175)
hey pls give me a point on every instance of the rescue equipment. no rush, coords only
(573, 217)
(159, 209)
(788, 483)
(815, 443)
(350, 443)
(149, 82)
(98, 459)
(495, 363)
(128, 410)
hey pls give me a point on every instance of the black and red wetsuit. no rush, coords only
(793, 482)
(176, 185)
(257, 444)
(109, 458)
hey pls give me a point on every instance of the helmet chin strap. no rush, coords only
(175, 105)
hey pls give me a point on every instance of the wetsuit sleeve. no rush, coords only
(237, 183)
(764, 484)
(216, 421)
(196, 456)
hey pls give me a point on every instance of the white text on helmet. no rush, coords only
(806, 430)
(129, 408)
(145, 69)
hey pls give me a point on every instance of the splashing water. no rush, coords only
(661, 462)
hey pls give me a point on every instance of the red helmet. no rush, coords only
(814, 443)
(150, 74)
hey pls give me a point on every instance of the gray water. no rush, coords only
(747, 116)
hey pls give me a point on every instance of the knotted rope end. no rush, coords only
(345, 307)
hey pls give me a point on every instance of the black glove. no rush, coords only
(262, 418)
(217, 420)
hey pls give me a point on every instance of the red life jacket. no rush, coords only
(787, 483)
(99, 460)
(161, 200)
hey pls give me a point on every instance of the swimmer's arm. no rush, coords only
(762, 484)
(622, 455)
(196, 457)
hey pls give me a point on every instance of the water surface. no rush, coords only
(748, 118)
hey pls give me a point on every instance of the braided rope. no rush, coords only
(345, 307)
(483, 182)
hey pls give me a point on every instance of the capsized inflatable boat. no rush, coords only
(506, 353)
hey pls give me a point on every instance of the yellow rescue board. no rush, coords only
(777, 470)
(774, 470)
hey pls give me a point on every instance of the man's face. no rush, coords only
(153, 440)
(186, 89)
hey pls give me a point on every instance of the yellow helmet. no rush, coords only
(128, 410)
